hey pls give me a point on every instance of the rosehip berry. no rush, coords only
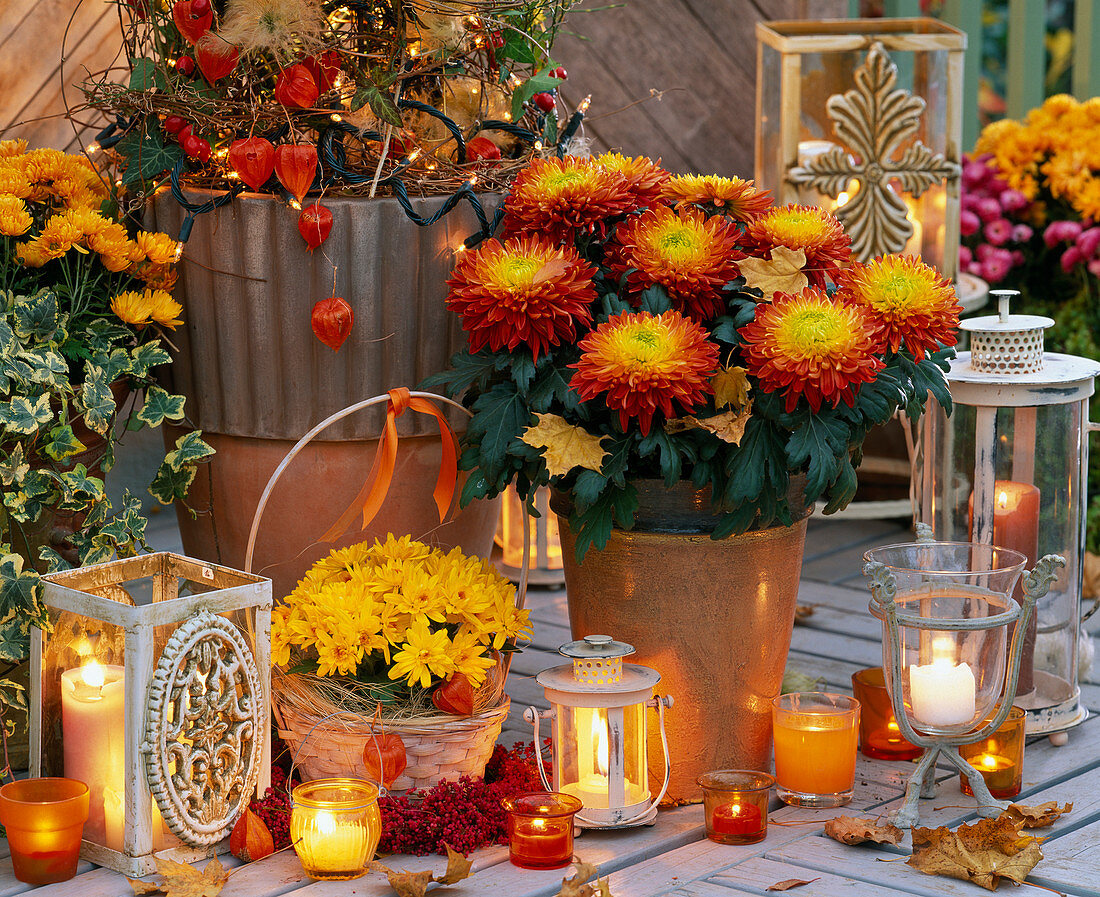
(545, 101)
(184, 133)
(496, 39)
(185, 65)
(200, 8)
(559, 73)
(174, 124)
(196, 147)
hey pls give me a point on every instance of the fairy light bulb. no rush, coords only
(294, 204)
(92, 148)
(585, 103)
(336, 117)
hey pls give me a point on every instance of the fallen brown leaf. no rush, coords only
(802, 611)
(415, 884)
(566, 446)
(729, 426)
(554, 267)
(731, 387)
(789, 883)
(181, 880)
(782, 274)
(849, 830)
(984, 853)
(410, 884)
(1035, 817)
(577, 886)
(458, 867)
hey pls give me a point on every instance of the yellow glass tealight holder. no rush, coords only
(335, 825)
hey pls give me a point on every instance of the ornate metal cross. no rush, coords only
(874, 119)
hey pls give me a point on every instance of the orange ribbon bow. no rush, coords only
(374, 490)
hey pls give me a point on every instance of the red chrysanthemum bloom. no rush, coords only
(811, 345)
(688, 254)
(644, 363)
(644, 178)
(524, 291)
(732, 196)
(909, 301)
(813, 230)
(559, 197)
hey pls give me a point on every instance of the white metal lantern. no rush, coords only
(153, 687)
(1009, 468)
(598, 708)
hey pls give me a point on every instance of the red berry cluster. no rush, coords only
(466, 814)
(274, 809)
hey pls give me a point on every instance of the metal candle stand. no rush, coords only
(883, 585)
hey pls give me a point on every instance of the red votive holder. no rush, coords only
(735, 805)
(44, 819)
(540, 829)
(999, 758)
(879, 734)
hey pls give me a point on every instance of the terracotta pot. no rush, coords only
(256, 378)
(713, 617)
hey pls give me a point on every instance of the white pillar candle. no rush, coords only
(93, 723)
(942, 692)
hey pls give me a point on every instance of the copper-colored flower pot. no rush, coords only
(713, 617)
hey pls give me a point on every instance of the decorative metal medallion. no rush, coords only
(204, 729)
(874, 119)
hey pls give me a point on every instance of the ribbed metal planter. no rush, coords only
(256, 378)
(713, 617)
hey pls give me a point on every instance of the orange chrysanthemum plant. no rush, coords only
(633, 325)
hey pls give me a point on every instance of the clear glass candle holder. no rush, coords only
(999, 758)
(540, 829)
(735, 805)
(879, 734)
(44, 819)
(815, 748)
(335, 825)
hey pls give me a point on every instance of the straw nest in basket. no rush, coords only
(400, 638)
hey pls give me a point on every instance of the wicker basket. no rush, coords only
(439, 747)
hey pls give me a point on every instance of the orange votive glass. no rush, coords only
(815, 748)
(879, 734)
(540, 829)
(999, 758)
(44, 819)
(735, 805)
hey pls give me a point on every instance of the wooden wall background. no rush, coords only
(699, 55)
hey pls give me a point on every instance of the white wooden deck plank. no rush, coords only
(755, 875)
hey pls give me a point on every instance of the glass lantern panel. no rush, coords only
(582, 753)
(1031, 499)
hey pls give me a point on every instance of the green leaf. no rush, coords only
(96, 397)
(25, 415)
(146, 154)
(522, 366)
(146, 76)
(551, 386)
(593, 526)
(659, 441)
(37, 317)
(169, 484)
(500, 416)
(189, 449)
(844, 489)
(113, 362)
(47, 368)
(78, 489)
(159, 405)
(14, 468)
(465, 370)
(818, 444)
(381, 104)
(540, 82)
(146, 356)
(105, 335)
(63, 443)
(516, 47)
(18, 587)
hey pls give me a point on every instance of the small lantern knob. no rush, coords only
(1006, 343)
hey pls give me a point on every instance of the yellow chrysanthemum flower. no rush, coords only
(133, 307)
(14, 182)
(423, 655)
(58, 236)
(9, 148)
(15, 220)
(160, 249)
(164, 309)
(31, 254)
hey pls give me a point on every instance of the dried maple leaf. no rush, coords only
(415, 884)
(729, 426)
(550, 269)
(458, 867)
(849, 830)
(576, 886)
(566, 446)
(984, 853)
(789, 883)
(410, 884)
(1035, 817)
(181, 880)
(782, 274)
(731, 387)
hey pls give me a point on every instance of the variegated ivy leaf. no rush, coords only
(14, 468)
(63, 444)
(14, 370)
(78, 489)
(97, 514)
(26, 415)
(18, 587)
(39, 481)
(16, 504)
(114, 363)
(54, 561)
(160, 405)
(96, 551)
(189, 449)
(146, 356)
(36, 317)
(96, 397)
(9, 344)
(169, 484)
(48, 368)
(104, 335)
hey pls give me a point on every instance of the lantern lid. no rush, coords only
(1005, 343)
(632, 677)
(602, 647)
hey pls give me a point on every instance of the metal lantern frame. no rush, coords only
(196, 684)
(884, 605)
(875, 101)
(1009, 384)
(597, 679)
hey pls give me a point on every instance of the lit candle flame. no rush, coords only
(325, 821)
(943, 649)
(988, 762)
(1002, 500)
(93, 673)
(599, 739)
